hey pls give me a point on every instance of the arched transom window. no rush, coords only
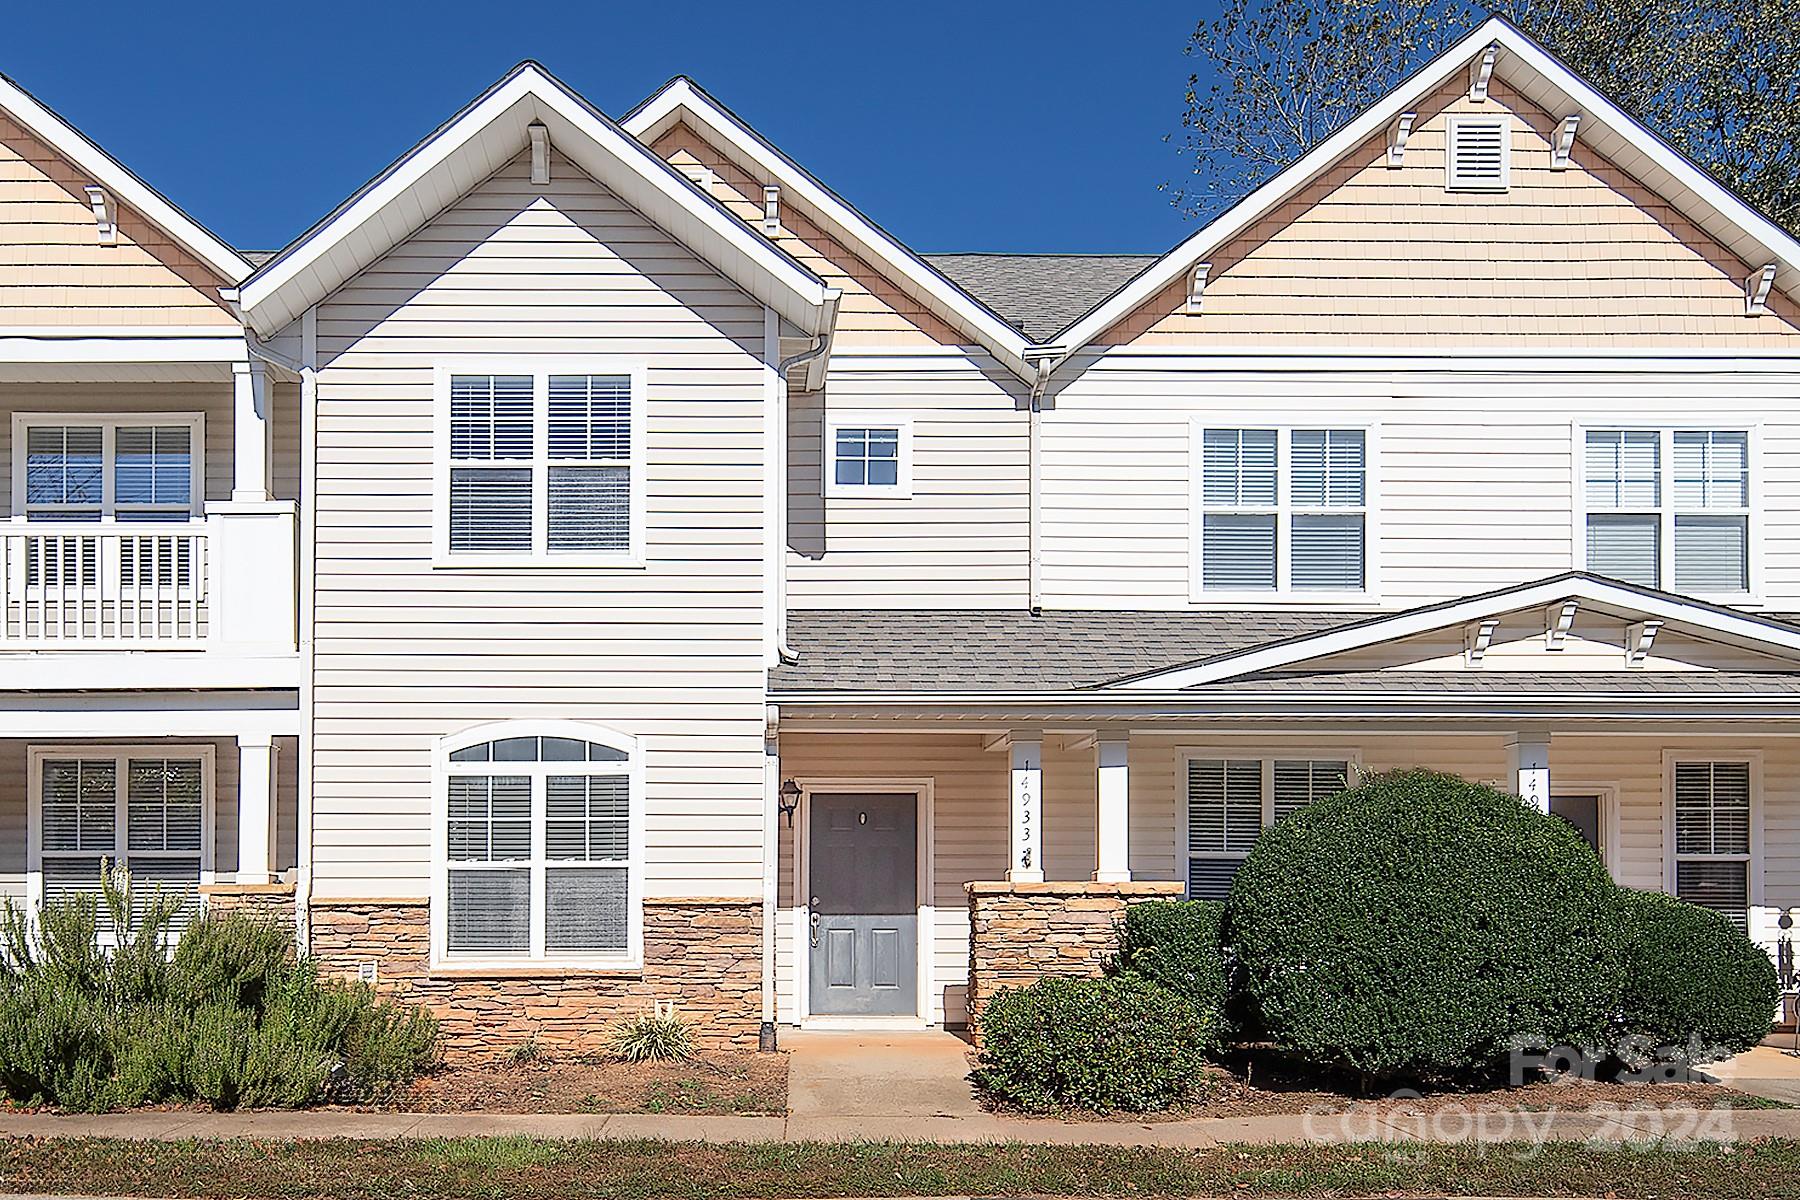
(538, 828)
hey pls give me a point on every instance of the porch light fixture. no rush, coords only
(789, 801)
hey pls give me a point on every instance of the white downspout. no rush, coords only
(820, 348)
(1045, 359)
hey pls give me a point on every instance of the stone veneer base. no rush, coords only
(272, 901)
(1020, 932)
(705, 954)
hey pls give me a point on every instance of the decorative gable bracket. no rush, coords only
(1639, 638)
(1197, 286)
(1477, 637)
(106, 214)
(1558, 620)
(771, 221)
(1756, 291)
(540, 154)
(1481, 72)
(1565, 143)
(1397, 135)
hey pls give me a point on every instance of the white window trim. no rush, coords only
(36, 756)
(1284, 593)
(1452, 183)
(902, 489)
(1353, 770)
(109, 423)
(540, 368)
(1666, 508)
(1754, 871)
(632, 959)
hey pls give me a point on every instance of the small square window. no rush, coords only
(868, 458)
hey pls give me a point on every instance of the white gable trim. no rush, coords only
(681, 97)
(118, 181)
(1717, 624)
(478, 141)
(1690, 187)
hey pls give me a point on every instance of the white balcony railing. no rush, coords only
(104, 584)
(225, 582)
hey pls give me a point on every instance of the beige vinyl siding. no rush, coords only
(874, 311)
(960, 540)
(1372, 256)
(15, 803)
(212, 400)
(55, 272)
(971, 808)
(1473, 477)
(671, 653)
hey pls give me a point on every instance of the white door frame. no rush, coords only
(1608, 796)
(921, 789)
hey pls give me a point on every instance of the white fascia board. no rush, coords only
(461, 152)
(125, 187)
(1594, 108)
(681, 96)
(106, 671)
(1712, 622)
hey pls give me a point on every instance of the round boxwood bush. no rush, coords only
(1119, 1043)
(1696, 988)
(1177, 945)
(1414, 925)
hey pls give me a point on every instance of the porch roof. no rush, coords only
(963, 650)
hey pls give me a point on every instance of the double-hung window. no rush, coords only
(1230, 801)
(1282, 511)
(540, 465)
(541, 829)
(1669, 508)
(143, 809)
(1714, 835)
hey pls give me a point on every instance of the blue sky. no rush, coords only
(971, 126)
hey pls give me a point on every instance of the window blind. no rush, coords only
(1625, 547)
(1712, 836)
(1224, 816)
(491, 422)
(1297, 783)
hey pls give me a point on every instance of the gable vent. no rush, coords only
(1479, 154)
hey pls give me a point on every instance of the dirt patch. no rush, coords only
(744, 1083)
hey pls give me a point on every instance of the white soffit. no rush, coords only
(125, 188)
(1709, 621)
(1606, 130)
(474, 144)
(682, 98)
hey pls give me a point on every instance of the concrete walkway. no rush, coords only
(918, 1073)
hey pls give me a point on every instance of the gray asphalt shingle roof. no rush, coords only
(960, 650)
(1039, 294)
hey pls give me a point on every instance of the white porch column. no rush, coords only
(1528, 768)
(1112, 818)
(252, 447)
(256, 808)
(1026, 864)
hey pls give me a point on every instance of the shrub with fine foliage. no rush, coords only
(1694, 983)
(231, 1017)
(1177, 945)
(1120, 1043)
(1413, 925)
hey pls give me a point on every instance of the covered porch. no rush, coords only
(956, 786)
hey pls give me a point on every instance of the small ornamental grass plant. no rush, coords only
(225, 1013)
(656, 1036)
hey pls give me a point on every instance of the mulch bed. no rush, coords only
(744, 1083)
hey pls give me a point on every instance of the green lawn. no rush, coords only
(527, 1169)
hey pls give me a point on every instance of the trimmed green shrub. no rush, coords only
(1178, 945)
(231, 1016)
(1118, 1043)
(1416, 924)
(1696, 988)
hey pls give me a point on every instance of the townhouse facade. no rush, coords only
(598, 565)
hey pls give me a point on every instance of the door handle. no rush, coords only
(812, 920)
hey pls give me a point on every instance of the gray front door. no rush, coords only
(862, 857)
